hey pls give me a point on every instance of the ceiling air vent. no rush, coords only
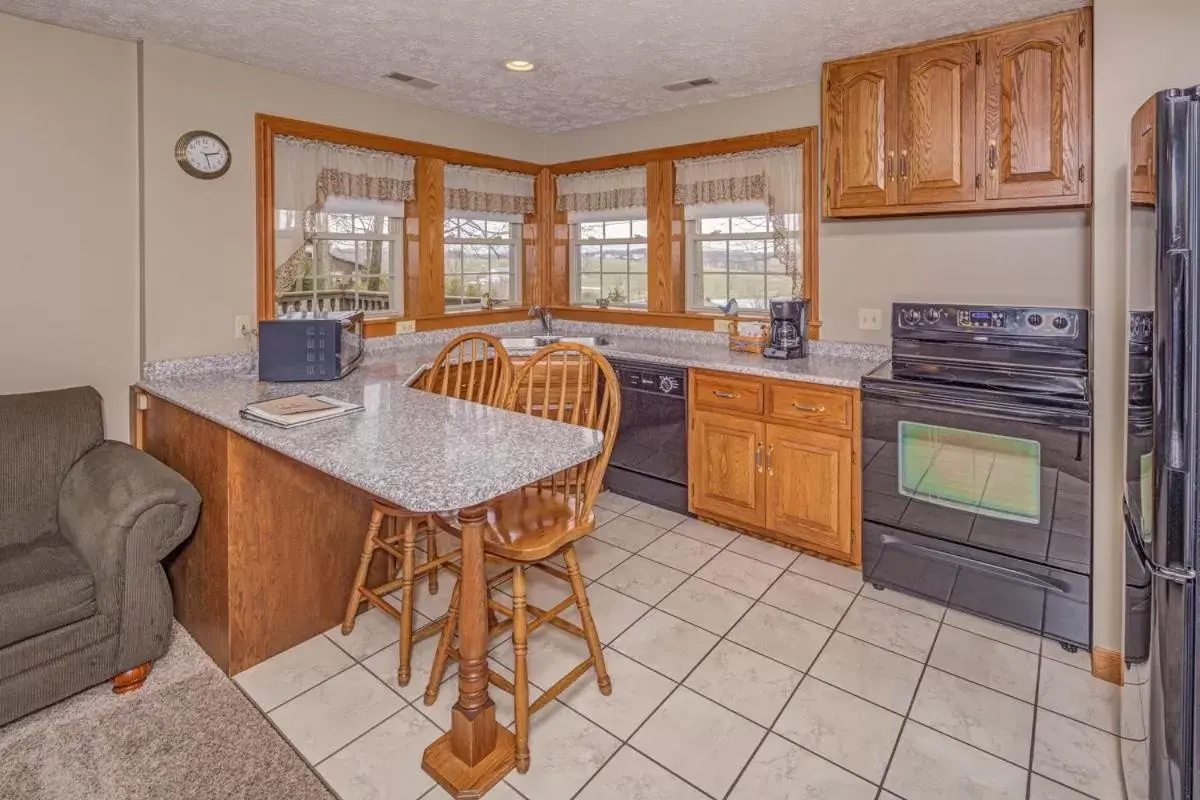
(416, 83)
(694, 83)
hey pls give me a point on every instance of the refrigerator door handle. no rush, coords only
(1173, 574)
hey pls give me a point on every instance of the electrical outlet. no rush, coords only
(406, 326)
(869, 319)
(243, 325)
(721, 326)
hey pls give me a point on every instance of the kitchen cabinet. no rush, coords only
(1142, 167)
(986, 121)
(785, 468)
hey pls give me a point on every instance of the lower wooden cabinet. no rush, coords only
(777, 473)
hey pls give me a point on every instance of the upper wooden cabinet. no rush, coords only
(988, 121)
(1142, 167)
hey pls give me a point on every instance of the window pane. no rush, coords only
(500, 261)
(749, 290)
(362, 224)
(779, 286)
(775, 264)
(638, 291)
(615, 288)
(450, 227)
(472, 228)
(475, 258)
(714, 225)
(715, 289)
(748, 225)
(617, 230)
(501, 288)
(589, 258)
(453, 259)
(638, 228)
(747, 255)
(616, 258)
(393, 224)
(589, 287)
(591, 230)
(637, 258)
(499, 230)
(339, 223)
(714, 256)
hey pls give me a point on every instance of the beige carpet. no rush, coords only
(188, 733)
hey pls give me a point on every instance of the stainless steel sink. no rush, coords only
(534, 342)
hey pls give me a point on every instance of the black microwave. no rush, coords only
(310, 346)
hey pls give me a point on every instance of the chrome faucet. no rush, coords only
(543, 313)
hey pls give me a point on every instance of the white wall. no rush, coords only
(68, 214)
(200, 235)
(1141, 46)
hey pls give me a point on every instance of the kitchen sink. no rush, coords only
(534, 342)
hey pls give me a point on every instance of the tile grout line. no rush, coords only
(1037, 697)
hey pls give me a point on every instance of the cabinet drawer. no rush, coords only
(811, 405)
(724, 393)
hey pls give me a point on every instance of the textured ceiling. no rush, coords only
(598, 60)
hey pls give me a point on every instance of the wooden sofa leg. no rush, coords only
(131, 680)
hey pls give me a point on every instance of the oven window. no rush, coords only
(983, 473)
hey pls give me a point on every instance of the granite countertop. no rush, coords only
(420, 451)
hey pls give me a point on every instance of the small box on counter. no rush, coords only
(747, 337)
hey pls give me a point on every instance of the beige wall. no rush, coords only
(1141, 46)
(1001, 258)
(200, 235)
(68, 214)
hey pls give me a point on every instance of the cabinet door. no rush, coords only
(1141, 157)
(861, 114)
(938, 114)
(809, 494)
(726, 466)
(1033, 128)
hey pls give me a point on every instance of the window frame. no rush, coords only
(694, 266)
(514, 241)
(575, 266)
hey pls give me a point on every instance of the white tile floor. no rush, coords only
(740, 670)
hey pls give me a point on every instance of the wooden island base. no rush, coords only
(462, 780)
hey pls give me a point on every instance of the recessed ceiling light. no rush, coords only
(518, 65)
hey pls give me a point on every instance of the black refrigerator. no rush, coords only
(1162, 496)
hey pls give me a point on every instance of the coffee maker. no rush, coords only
(789, 330)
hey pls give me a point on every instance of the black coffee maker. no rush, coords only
(789, 330)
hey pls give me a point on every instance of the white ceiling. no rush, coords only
(598, 60)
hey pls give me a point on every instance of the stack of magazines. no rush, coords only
(298, 409)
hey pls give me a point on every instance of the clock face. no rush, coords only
(202, 154)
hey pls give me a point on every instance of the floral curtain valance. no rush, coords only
(308, 173)
(606, 190)
(772, 177)
(489, 191)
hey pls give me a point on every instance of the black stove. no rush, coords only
(977, 463)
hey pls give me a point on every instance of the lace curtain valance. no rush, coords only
(488, 191)
(606, 190)
(308, 173)
(772, 177)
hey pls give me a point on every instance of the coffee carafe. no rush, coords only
(789, 330)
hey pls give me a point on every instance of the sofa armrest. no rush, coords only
(124, 512)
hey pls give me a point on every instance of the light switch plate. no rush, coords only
(243, 325)
(869, 319)
(720, 326)
(406, 326)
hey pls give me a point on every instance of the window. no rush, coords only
(734, 257)
(609, 263)
(483, 260)
(350, 264)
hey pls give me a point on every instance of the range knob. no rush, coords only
(667, 384)
(1060, 323)
(911, 315)
(1035, 320)
(932, 315)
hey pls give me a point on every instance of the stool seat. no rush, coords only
(532, 524)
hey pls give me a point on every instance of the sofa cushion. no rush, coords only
(41, 436)
(44, 585)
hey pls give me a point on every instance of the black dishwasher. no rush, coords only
(649, 460)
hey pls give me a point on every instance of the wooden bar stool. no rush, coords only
(526, 528)
(474, 367)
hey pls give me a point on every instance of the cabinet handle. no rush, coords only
(758, 457)
(890, 173)
(726, 395)
(992, 155)
(810, 409)
(903, 165)
(770, 469)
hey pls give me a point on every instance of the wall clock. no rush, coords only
(202, 154)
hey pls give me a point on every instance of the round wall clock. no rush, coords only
(202, 154)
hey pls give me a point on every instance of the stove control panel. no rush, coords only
(988, 320)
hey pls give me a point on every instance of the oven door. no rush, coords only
(982, 505)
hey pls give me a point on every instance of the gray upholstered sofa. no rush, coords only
(84, 523)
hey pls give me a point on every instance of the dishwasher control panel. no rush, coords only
(651, 378)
